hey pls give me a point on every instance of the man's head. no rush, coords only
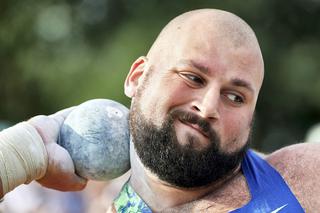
(193, 97)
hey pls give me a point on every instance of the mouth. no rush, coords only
(195, 127)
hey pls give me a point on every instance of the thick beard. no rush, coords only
(181, 165)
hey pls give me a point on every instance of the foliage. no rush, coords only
(55, 54)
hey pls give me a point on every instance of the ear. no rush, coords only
(133, 78)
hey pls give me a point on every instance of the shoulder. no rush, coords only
(297, 156)
(302, 159)
(299, 165)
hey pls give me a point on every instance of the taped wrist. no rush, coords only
(23, 156)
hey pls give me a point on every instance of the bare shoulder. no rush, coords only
(299, 165)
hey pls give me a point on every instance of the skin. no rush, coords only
(207, 62)
(225, 48)
(60, 173)
(219, 66)
(206, 73)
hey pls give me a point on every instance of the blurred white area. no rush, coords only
(313, 134)
(33, 198)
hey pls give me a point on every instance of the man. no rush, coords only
(193, 101)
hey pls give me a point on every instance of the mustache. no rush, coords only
(192, 118)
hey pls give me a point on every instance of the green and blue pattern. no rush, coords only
(130, 202)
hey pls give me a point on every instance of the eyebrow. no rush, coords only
(238, 82)
(242, 83)
(194, 64)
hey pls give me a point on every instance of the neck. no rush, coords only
(160, 195)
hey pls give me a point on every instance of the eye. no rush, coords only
(237, 99)
(192, 78)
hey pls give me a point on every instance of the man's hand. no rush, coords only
(60, 173)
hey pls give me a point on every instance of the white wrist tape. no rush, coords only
(23, 156)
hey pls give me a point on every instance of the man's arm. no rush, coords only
(40, 131)
(299, 165)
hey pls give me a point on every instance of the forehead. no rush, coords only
(219, 57)
(219, 42)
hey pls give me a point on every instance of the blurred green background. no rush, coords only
(55, 54)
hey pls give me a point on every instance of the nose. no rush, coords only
(207, 104)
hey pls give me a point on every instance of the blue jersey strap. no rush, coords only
(269, 192)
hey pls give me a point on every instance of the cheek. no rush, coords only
(235, 130)
(171, 93)
(158, 98)
(179, 95)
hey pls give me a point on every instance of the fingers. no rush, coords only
(61, 115)
(46, 121)
(76, 183)
(48, 126)
(60, 173)
(64, 183)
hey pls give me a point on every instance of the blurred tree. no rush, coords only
(54, 54)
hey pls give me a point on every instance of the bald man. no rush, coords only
(193, 102)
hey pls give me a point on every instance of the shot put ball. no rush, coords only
(96, 134)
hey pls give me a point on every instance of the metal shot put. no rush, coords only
(193, 98)
(96, 134)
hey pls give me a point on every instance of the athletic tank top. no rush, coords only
(269, 192)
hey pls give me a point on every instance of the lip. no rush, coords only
(195, 127)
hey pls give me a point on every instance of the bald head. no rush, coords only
(212, 28)
(206, 64)
(224, 24)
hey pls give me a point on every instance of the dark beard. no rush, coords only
(181, 165)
